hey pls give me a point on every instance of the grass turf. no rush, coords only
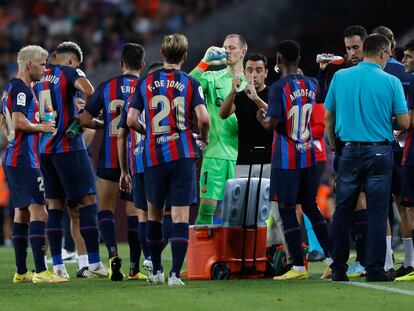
(262, 294)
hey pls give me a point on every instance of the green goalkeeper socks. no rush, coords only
(205, 214)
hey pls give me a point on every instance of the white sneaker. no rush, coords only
(174, 281)
(100, 271)
(147, 264)
(60, 271)
(66, 256)
(157, 278)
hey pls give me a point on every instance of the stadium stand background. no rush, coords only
(101, 27)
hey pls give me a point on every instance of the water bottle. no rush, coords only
(73, 129)
(48, 117)
(213, 55)
(329, 58)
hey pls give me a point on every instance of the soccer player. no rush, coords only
(293, 175)
(65, 163)
(219, 157)
(407, 184)
(20, 113)
(111, 97)
(396, 69)
(130, 146)
(169, 98)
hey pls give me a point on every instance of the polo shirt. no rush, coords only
(364, 99)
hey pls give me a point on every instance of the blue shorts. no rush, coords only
(111, 174)
(407, 186)
(138, 191)
(68, 175)
(25, 185)
(174, 179)
(293, 186)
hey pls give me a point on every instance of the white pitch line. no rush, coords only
(380, 287)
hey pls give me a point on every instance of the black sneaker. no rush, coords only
(379, 277)
(401, 271)
(315, 256)
(115, 273)
(82, 272)
(391, 273)
(339, 277)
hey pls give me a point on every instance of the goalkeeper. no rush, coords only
(220, 155)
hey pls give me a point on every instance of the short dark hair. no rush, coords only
(155, 66)
(289, 49)
(255, 57)
(387, 33)
(70, 47)
(51, 58)
(133, 55)
(355, 30)
(409, 45)
(173, 47)
(374, 44)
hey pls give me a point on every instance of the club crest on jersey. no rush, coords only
(219, 101)
(302, 147)
(21, 99)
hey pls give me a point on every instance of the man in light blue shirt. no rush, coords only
(360, 107)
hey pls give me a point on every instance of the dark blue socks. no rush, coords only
(292, 234)
(167, 227)
(54, 234)
(20, 244)
(89, 232)
(37, 237)
(134, 246)
(142, 235)
(179, 245)
(155, 241)
(359, 234)
(107, 228)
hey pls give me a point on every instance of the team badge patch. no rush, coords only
(219, 101)
(21, 99)
(200, 91)
(80, 73)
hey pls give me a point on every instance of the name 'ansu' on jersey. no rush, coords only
(291, 100)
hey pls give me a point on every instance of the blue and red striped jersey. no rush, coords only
(111, 97)
(408, 153)
(57, 90)
(135, 142)
(22, 150)
(291, 100)
(168, 97)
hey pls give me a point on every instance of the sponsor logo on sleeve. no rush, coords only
(21, 99)
(200, 90)
(80, 73)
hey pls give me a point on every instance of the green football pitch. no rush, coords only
(262, 294)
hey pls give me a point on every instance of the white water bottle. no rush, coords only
(329, 58)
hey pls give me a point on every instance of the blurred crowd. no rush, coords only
(100, 27)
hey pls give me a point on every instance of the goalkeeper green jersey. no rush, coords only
(223, 133)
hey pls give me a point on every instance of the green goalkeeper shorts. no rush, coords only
(213, 176)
